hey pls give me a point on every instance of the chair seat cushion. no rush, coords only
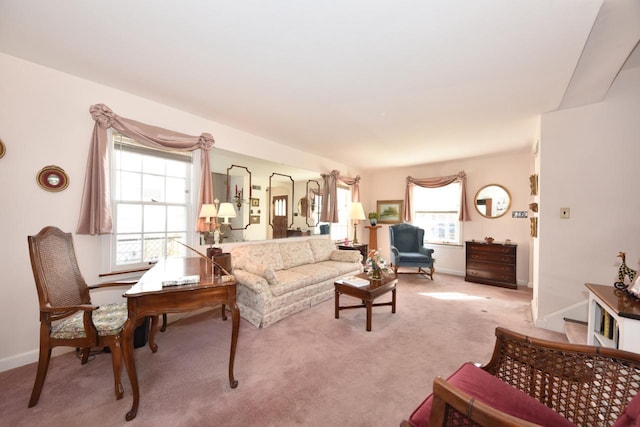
(630, 417)
(414, 257)
(492, 391)
(108, 319)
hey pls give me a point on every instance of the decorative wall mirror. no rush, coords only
(52, 178)
(492, 201)
(312, 213)
(281, 193)
(239, 193)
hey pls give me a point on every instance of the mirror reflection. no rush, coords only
(492, 201)
(313, 202)
(252, 176)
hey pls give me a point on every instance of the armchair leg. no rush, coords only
(116, 361)
(43, 366)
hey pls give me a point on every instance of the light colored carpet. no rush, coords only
(307, 370)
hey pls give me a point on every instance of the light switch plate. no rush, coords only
(565, 213)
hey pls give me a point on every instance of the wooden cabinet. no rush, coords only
(491, 264)
(614, 319)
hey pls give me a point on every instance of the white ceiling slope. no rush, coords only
(372, 84)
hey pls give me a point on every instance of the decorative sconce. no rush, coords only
(237, 198)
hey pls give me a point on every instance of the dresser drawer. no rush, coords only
(486, 275)
(491, 248)
(490, 257)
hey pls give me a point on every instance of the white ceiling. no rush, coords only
(376, 83)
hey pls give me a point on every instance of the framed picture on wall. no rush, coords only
(390, 211)
(255, 202)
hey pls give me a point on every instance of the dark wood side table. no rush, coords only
(367, 293)
(363, 248)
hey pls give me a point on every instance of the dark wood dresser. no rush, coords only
(491, 264)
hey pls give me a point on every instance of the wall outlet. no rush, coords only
(565, 213)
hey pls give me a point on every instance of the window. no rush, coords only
(436, 210)
(340, 230)
(150, 203)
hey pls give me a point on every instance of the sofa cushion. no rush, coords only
(346, 256)
(490, 390)
(318, 272)
(262, 253)
(289, 281)
(262, 270)
(321, 248)
(296, 253)
(630, 417)
(342, 267)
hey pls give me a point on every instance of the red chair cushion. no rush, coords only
(490, 390)
(630, 417)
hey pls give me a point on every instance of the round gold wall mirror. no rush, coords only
(492, 201)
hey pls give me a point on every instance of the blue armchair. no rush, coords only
(407, 249)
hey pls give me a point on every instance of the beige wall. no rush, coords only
(44, 120)
(511, 170)
(589, 162)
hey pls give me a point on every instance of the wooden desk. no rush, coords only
(149, 298)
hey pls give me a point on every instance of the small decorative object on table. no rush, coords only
(488, 239)
(633, 287)
(376, 266)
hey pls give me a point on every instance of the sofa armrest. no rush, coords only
(449, 402)
(568, 378)
(252, 281)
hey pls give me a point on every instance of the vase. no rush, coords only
(375, 274)
(373, 221)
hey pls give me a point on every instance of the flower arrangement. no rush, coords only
(376, 265)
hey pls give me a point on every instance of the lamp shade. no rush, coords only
(356, 212)
(208, 211)
(226, 211)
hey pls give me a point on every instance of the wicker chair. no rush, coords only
(67, 317)
(585, 385)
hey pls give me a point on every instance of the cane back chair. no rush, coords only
(67, 316)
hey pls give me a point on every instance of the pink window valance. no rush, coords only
(95, 210)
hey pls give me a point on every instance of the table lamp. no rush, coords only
(356, 213)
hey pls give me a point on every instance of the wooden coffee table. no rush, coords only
(367, 293)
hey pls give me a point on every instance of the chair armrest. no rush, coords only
(448, 398)
(567, 377)
(67, 309)
(395, 254)
(425, 251)
(113, 284)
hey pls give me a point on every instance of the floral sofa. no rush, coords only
(281, 277)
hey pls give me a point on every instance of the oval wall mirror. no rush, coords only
(492, 201)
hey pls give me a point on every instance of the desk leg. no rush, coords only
(130, 364)
(152, 333)
(369, 304)
(235, 318)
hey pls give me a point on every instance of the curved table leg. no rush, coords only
(235, 318)
(164, 322)
(224, 313)
(130, 364)
(152, 333)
